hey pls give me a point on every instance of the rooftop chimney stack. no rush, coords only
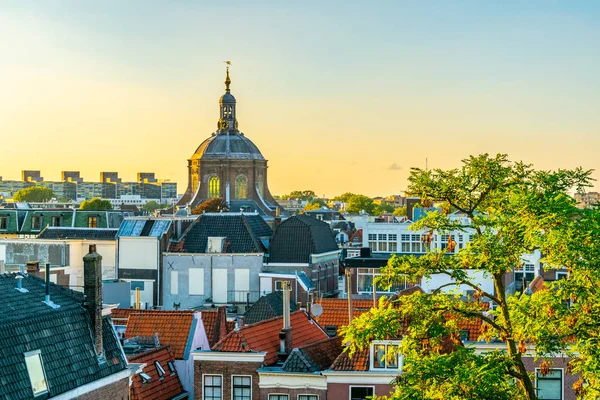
(33, 267)
(285, 336)
(92, 288)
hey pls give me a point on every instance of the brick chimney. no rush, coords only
(221, 322)
(33, 267)
(92, 288)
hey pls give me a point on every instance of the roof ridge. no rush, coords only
(148, 352)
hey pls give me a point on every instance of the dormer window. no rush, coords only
(384, 355)
(159, 369)
(36, 222)
(35, 369)
(3, 222)
(55, 221)
(93, 221)
(145, 377)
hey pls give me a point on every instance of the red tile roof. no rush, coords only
(537, 284)
(174, 328)
(335, 311)
(263, 336)
(358, 362)
(157, 389)
(212, 320)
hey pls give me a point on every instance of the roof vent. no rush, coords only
(20, 287)
(215, 244)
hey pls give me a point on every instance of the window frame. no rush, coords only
(39, 218)
(307, 394)
(233, 385)
(287, 395)
(37, 353)
(281, 284)
(160, 370)
(93, 221)
(386, 343)
(204, 385)
(4, 221)
(562, 381)
(359, 386)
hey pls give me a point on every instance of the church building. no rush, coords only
(228, 165)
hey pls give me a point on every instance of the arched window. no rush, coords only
(241, 187)
(214, 187)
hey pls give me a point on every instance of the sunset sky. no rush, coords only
(338, 95)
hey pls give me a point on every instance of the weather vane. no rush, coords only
(227, 79)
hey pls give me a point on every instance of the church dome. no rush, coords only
(227, 146)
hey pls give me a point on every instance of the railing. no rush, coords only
(243, 296)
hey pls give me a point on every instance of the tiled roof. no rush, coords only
(335, 311)
(358, 362)
(174, 328)
(144, 227)
(156, 389)
(243, 233)
(78, 233)
(20, 221)
(62, 335)
(537, 284)
(358, 235)
(314, 357)
(264, 336)
(296, 238)
(213, 324)
(267, 307)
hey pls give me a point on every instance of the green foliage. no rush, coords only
(95, 204)
(34, 194)
(344, 197)
(400, 211)
(358, 203)
(212, 205)
(513, 210)
(383, 209)
(300, 195)
(315, 204)
(152, 206)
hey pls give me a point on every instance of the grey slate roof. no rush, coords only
(314, 357)
(144, 227)
(267, 307)
(62, 335)
(296, 238)
(78, 233)
(243, 233)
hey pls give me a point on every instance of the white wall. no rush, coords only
(138, 253)
(479, 278)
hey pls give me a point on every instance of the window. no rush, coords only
(241, 187)
(242, 387)
(93, 221)
(55, 221)
(372, 236)
(196, 281)
(384, 356)
(382, 246)
(214, 187)
(308, 397)
(159, 369)
(213, 387)
(175, 282)
(3, 222)
(549, 387)
(278, 396)
(365, 277)
(361, 392)
(36, 222)
(561, 275)
(279, 284)
(145, 377)
(171, 367)
(527, 271)
(392, 237)
(35, 369)
(382, 236)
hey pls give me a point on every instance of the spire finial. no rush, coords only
(227, 79)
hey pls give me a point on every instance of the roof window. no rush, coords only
(35, 369)
(171, 367)
(145, 377)
(159, 369)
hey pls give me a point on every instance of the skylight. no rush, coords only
(145, 377)
(37, 377)
(159, 369)
(171, 367)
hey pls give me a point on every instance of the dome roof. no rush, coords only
(228, 146)
(227, 98)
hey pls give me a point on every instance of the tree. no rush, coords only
(212, 205)
(344, 197)
(400, 211)
(34, 194)
(382, 209)
(359, 203)
(513, 210)
(95, 204)
(315, 204)
(300, 195)
(152, 206)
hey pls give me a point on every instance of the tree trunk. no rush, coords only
(513, 352)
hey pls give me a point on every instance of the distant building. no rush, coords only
(146, 177)
(587, 200)
(31, 176)
(71, 176)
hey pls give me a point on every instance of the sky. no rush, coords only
(339, 96)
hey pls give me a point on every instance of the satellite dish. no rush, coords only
(316, 310)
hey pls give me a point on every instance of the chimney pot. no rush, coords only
(33, 267)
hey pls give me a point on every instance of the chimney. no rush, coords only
(2, 270)
(277, 219)
(222, 322)
(92, 288)
(33, 267)
(285, 336)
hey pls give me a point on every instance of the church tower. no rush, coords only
(229, 165)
